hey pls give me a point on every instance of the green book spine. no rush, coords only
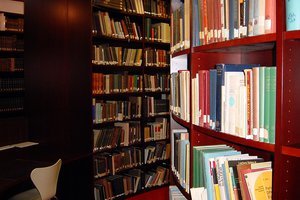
(272, 105)
(195, 168)
(261, 102)
(267, 105)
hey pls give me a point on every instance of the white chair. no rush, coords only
(45, 181)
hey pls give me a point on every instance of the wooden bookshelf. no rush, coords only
(97, 39)
(280, 49)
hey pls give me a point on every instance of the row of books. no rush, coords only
(116, 83)
(107, 55)
(154, 106)
(159, 8)
(156, 57)
(159, 151)
(11, 84)
(217, 20)
(105, 25)
(119, 185)
(180, 25)
(157, 130)
(8, 23)
(158, 32)
(130, 6)
(180, 94)
(105, 111)
(9, 104)
(11, 43)
(157, 83)
(121, 135)
(225, 173)
(130, 182)
(114, 162)
(11, 64)
(180, 157)
(236, 99)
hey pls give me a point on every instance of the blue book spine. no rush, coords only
(231, 19)
(221, 69)
(196, 39)
(213, 93)
(292, 14)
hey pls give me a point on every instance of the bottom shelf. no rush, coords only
(159, 192)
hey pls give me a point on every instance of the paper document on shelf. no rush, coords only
(25, 144)
(199, 193)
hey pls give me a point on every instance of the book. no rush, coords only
(259, 184)
(292, 15)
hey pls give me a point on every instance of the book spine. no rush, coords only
(292, 15)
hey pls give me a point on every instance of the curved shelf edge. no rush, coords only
(242, 44)
(181, 121)
(291, 150)
(235, 139)
(182, 190)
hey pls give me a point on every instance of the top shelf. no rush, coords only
(247, 44)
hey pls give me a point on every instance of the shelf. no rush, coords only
(153, 69)
(111, 149)
(182, 190)
(12, 92)
(235, 139)
(116, 11)
(12, 73)
(11, 51)
(155, 141)
(101, 38)
(11, 32)
(149, 42)
(179, 53)
(117, 94)
(291, 35)
(247, 44)
(107, 123)
(181, 121)
(155, 93)
(97, 68)
(291, 150)
(157, 116)
(164, 19)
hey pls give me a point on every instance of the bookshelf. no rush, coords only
(278, 49)
(130, 46)
(12, 86)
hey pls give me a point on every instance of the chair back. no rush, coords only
(45, 180)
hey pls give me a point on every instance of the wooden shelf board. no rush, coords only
(247, 44)
(182, 190)
(291, 35)
(116, 11)
(235, 139)
(181, 121)
(291, 150)
(181, 52)
(165, 19)
(157, 43)
(117, 94)
(105, 38)
(107, 123)
(116, 67)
